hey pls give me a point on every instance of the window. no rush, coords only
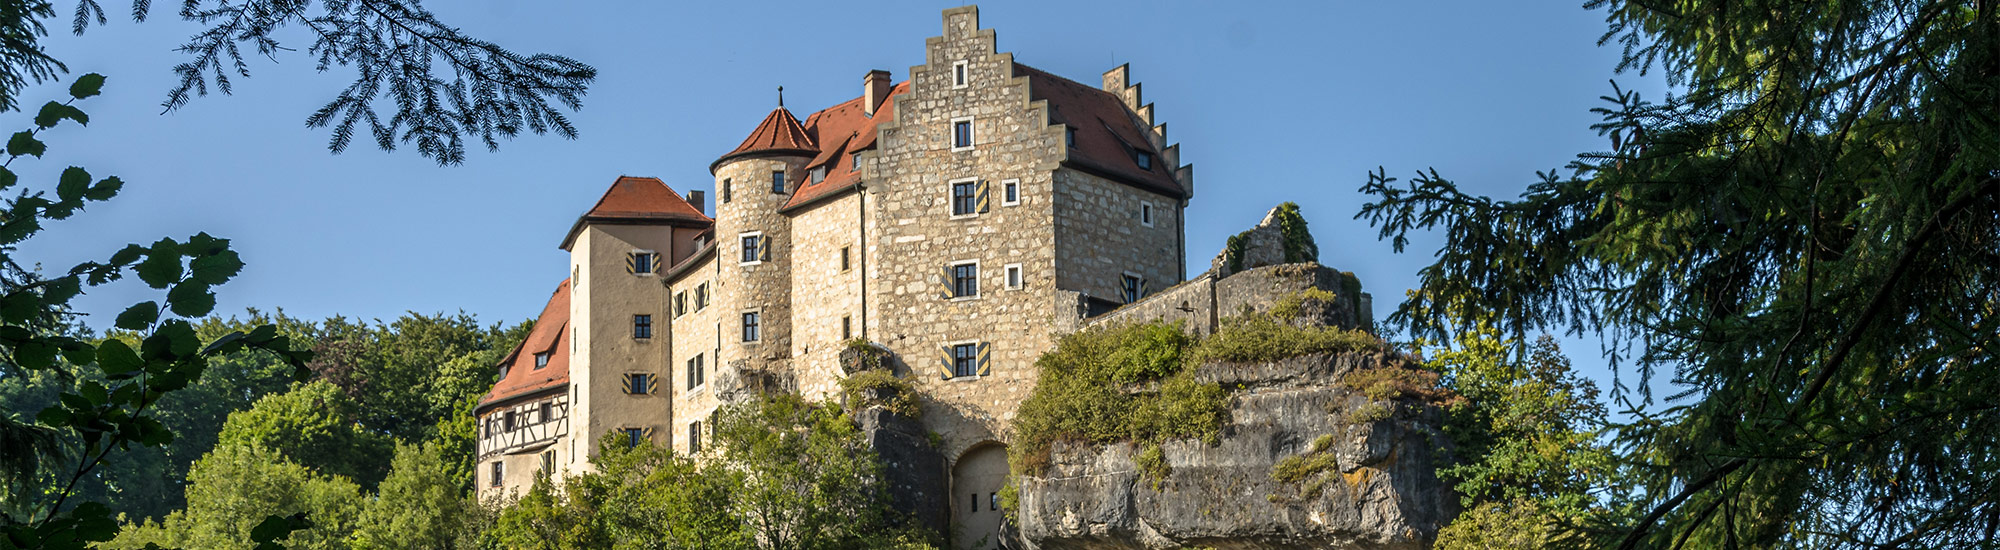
(548, 412)
(961, 134)
(633, 436)
(778, 181)
(507, 421)
(958, 76)
(975, 502)
(680, 303)
(750, 326)
(1013, 276)
(965, 362)
(753, 248)
(1133, 288)
(642, 326)
(992, 501)
(965, 197)
(548, 461)
(495, 482)
(642, 262)
(1144, 159)
(700, 296)
(965, 280)
(638, 383)
(694, 437)
(1010, 192)
(1069, 139)
(844, 264)
(541, 359)
(1146, 214)
(854, 162)
(727, 185)
(819, 174)
(847, 327)
(695, 374)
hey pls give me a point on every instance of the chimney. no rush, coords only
(694, 198)
(874, 89)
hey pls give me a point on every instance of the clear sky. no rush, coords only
(1271, 102)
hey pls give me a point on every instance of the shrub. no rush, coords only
(1313, 469)
(1266, 337)
(1386, 383)
(1082, 398)
(1372, 412)
(880, 388)
(1152, 463)
(1291, 306)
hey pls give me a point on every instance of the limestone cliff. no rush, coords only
(1364, 478)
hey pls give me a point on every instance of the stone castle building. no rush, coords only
(962, 219)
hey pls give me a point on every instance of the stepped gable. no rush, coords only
(779, 134)
(1106, 136)
(518, 375)
(848, 129)
(639, 200)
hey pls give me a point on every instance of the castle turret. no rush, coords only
(753, 182)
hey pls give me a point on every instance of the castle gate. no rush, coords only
(975, 490)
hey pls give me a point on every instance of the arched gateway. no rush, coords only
(975, 489)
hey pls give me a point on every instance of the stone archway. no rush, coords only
(976, 478)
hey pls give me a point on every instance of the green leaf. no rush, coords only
(129, 254)
(61, 290)
(80, 354)
(152, 433)
(35, 354)
(8, 178)
(95, 392)
(20, 306)
(105, 189)
(217, 268)
(114, 357)
(86, 86)
(162, 266)
(53, 113)
(179, 337)
(139, 316)
(93, 522)
(24, 144)
(263, 334)
(191, 299)
(54, 416)
(228, 342)
(75, 181)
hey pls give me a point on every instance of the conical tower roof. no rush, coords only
(780, 133)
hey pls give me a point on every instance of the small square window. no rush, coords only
(965, 280)
(680, 303)
(1144, 159)
(700, 296)
(1133, 288)
(638, 383)
(778, 181)
(1146, 214)
(642, 326)
(819, 174)
(958, 74)
(541, 359)
(847, 327)
(1014, 276)
(695, 372)
(993, 501)
(727, 186)
(965, 198)
(642, 262)
(854, 162)
(694, 437)
(507, 422)
(548, 412)
(634, 436)
(548, 461)
(1069, 138)
(961, 134)
(751, 323)
(965, 362)
(753, 248)
(844, 262)
(497, 470)
(1010, 192)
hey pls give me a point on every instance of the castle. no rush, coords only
(962, 219)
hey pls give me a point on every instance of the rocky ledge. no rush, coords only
(1305, 461)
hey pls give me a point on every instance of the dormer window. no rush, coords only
(854, 162)
(1069, 138)
(541, 359)
(819, 174)
(1144, 159)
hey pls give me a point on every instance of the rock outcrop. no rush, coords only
(1365, 478)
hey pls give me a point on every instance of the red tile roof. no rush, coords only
(840, 131)
(518, 375)
(639, 200)
(779, 133)
(1107, 133)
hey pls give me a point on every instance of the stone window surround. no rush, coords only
(955, 377)
(653, 262)
(700, 366)
(1146, 213)
(760, 326)
(1013, 277)
(949, 200)
(1132, 276)
(961, 74)
(739, 248)
(976, 275)
(1015, 186)
(652, 383)
(971, 131)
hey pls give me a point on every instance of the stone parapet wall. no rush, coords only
(1201, 304)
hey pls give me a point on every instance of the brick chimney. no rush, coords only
(875, 89)
(694, 198)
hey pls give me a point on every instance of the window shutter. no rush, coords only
(657, 264)
(1142, 288)
(944, 367)
(985, 358)
(646, 434)
(652, 386)
(945, 282)
(764, 248)
(628, 384)
(979, 196)
(631, 262)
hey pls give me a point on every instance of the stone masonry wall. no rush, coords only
(1100, 237)
(762, 286)
(696, 333)
(822, 292)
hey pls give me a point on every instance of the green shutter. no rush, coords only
(985, 359)
(944, 367)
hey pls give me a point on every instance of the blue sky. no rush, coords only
(1271, 102)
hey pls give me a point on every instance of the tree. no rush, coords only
(420, 505)
(232, 490)
(1804, 238)
(316, 426)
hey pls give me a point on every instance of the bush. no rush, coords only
(1153, 463)
(1386, 383)
(1082, 394)
(1261, 337)
(880, 388)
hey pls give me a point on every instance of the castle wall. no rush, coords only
(607, 297)
(695, 333)
(1100, 237)
(761, 285)
(519, 451)
(917, 238)
(823, 293)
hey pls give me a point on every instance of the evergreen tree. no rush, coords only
(1802, 242)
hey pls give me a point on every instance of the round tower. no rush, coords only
(754, 264)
